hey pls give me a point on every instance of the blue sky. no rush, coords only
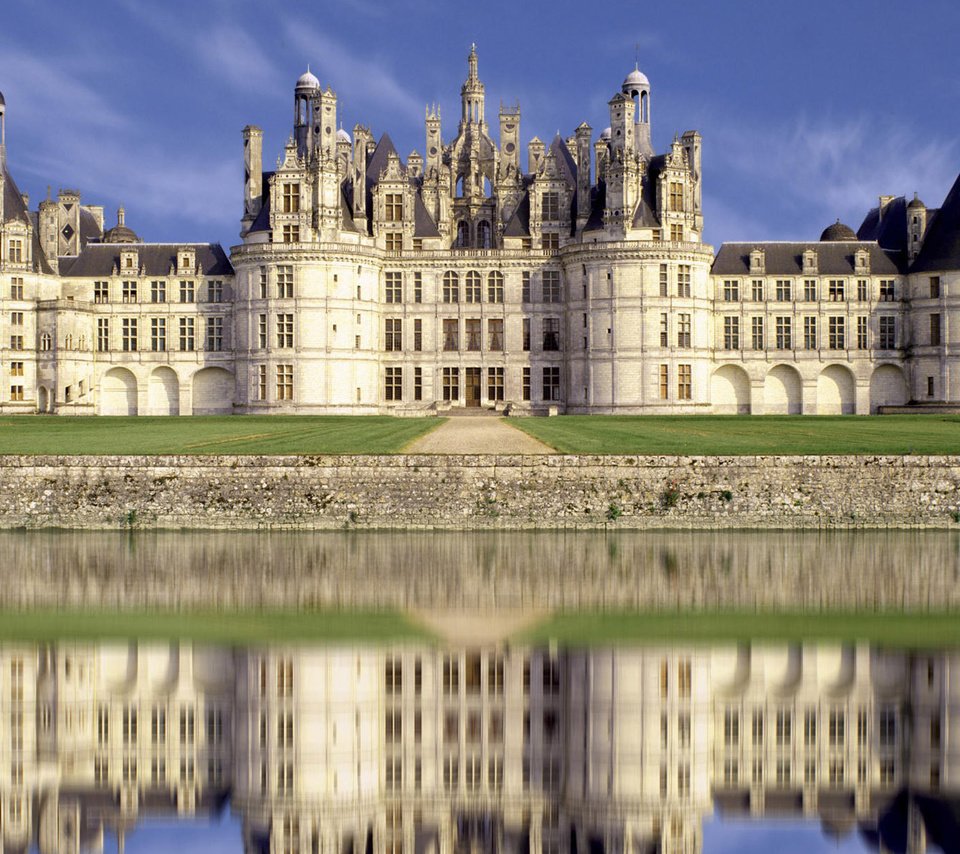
(809, 110)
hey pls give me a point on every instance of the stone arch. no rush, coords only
(43, 399)
(163, 392)
(782, 391)
(888, 387)
(213, 392)
(118, 392)
(836, 391)
(730, 390)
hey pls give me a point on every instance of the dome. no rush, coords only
(635, 78)
(120, 234)
(838, 232)
(342, 135)
(916, 203)
(307, 82)
(607, 133)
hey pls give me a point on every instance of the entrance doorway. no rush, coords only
(473, 377)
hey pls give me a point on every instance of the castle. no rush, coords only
(369, 284)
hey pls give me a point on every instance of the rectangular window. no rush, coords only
(495, 334)
(664, 330)
(551, 383)
(551, 241)
(551, 333)
(214, 334)
(888, 727)
(835, 290)
(684, 280)
(187, 291)
(128, 334)
(934, 287)
(784, 333)
(263, 283)
(451, 335)
(260, 378)
(103, 334)
(16, 318)
(494, 384)
(393, 334)
(16, 251)
(731, 333)
(525, 286)
(284, 330)
(684, 382)
(756, 332)
(837, 730)
(291, 198)
(551, 207)
(128, 292)
(525, 329)
(731, 727)
(810, 290)
(888, 291)
(862, 332)
(784, 736)
(810, 333)
(418, 383)
(525, 384)
(158, 334)
(888, 332)
(418, 335)
(756, 290)
(731, 290)
(16, 288)
(664, 382)
(16, 392)
(551, 285)
(158, 290)
(393, 207)
(676, 197)
(16, 369)
(683, 330)
(16, 342)
(451, 384)
(393, 384)
(215, 291)
(262, 331)
(393, 286)
(664, 280)
(935, 329)
(756, 728)
(291, 233)
(187, 334)
(285, 282)
(784, 290)
(418, 287)
(451, 287)
(284, 382)
(836, 333)
(472, 333)
(394, 241)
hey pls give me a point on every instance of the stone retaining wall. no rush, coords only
(478, 492)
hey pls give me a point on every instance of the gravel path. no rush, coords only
(481, 435)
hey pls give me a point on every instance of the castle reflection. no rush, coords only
(418, 748)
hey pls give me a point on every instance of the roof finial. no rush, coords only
(636, 56)
(121, 216)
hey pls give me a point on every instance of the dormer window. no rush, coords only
(291, 198)
(810, 261)
(128, 261)
(551, 207)
(186, 260)
(757, 261)
(676, 196)
(862, 261)
(393, 207)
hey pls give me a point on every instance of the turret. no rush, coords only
(637, 88)
(584, 183)
(324, 133)
(471, 94)
(252, 176)
(535, 151)
(434, 143)
(303, 97)
(361, 140)
(916, 225)
(509, 141)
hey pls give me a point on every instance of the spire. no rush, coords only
(121, 216)
(472, 60)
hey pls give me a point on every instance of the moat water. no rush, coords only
(493, 746)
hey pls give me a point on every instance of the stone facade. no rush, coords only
(365, 283)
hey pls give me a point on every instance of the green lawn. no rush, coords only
(231, 434)
(745, 434)
(892, 630)
(210, 627)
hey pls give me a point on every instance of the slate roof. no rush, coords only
(598, 201)
(13, 206)
(423, 224)
(644, 216)
(566, 165)
(89, 229)
(941, 246)
(519, 225)
(786, 259)
(262, 222)
(378, 160)
(99, 259)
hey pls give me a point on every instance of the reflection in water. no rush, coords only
(418, 749)
(862, 569)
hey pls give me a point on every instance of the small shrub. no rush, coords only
(726, 496)
(955, 515)
(614, 512)
(670, 495)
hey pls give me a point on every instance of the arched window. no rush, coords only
(463, 235)
(484, 235)
(495, 287)
(473, 286)
(45, 341)
(459, 191)
(451, 287)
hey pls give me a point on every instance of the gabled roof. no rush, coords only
(941, 246)
(423, 224)
(786, 259)
(519, 225)
(565, 163)
(262, 221)
(13, 207)
(598, 201)
(100, 259)
(378, 160)
(89, 228)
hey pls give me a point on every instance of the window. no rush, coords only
(128, 292)
(260, 376)
(784, 290)
(16, 318)
(16, 369)
(525, 286)
(16, 288)
(291, 198)
(731, 333)
(418, 383)
(394, 241)
(262, 331)
(888, 727)
(284, 330)
(676, 196)
(888, 332)
(756, 289)
(103, 335)
(551, 207)
(158, 291)
(888, 291)
(756, 332)
(417, 334)
(263, 283)
(683, 280)
(291, 233)
(16, 251)
(935, 330)
(16, 392)
(836, 333)
(393, 334)
(186, 725)
(551, 383)
(495, 334)
(664, 281)
(215, 334)
(285, 282)
(393, 207)
(810, 290)
(756, 728)
(664, 330)
(684, 383)
(731, 727)
(284, 382)
(551, 333)
(837, 730)
(810, 333)
(418, 287)
(935, 287)
(393, 287)
(187, 334)
(215, 291)
(525, 384)
(451, 383)
(664, 382)
(525, 329)
(784, 735)
(731, 290)
(451, 287)
(810, 728)
(128, 334)
(551, 241)
(862, 332)
(683, 330)
(494, 384)
(158, 334)
(472, 332)
(863, 290)
(393, 384)
(451, 335)
(784, 333)
(187, 291)
(683, 781)
(551, 285)
(835, 290)
(930, 387)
